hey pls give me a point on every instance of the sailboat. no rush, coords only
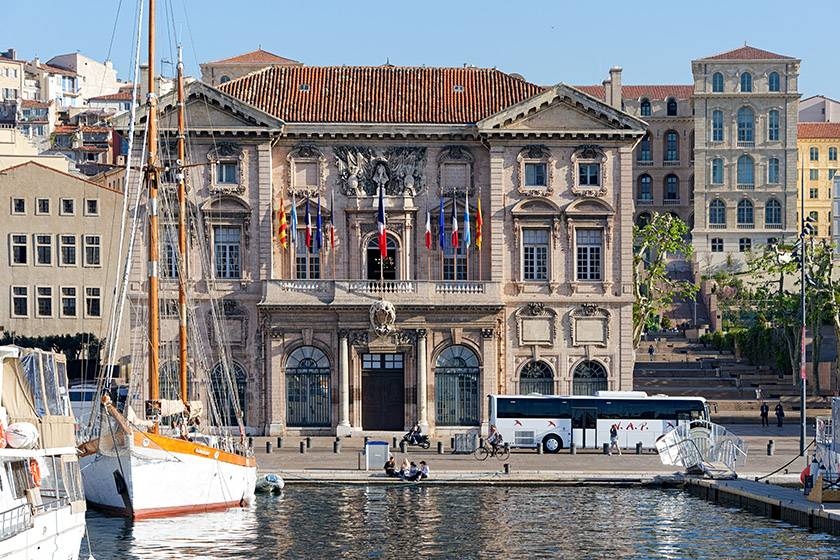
(139, 467)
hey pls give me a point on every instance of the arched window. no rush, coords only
(773, 170)
(672, 147)
(588, 378)
(746, 121)
(773, 125)
(773, 81)
(717, 213)
(645, 108)
(717, 171)
(672, 187)
(745, 213)
(644, 149)
(456, 387)
(746, 82)
(671, 108)
(645, 192)
(717, 82)
(377, 267)
(226, 403)
(717, 126)
(772, 213)
(224, 79)
(535, 378)
(307, 388)
(643, 219)
(746, 168)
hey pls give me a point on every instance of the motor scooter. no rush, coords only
(417, 439)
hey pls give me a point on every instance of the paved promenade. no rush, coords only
(321, 464)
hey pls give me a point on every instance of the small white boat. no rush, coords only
(268, 483)
(42, 506)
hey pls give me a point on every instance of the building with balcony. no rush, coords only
(818, 146)
(337, 339)
(94, 78)
(87, 146)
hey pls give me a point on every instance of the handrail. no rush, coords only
(15, 521)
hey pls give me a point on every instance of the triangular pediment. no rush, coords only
(560, 109)
(535, 207)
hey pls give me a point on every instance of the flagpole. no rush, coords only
(466, 230)
(478, 247)
(429, 248)
(455, 228)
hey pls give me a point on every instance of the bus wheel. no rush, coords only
(552, 444)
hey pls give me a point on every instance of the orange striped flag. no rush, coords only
(283, 226)
(478, 223)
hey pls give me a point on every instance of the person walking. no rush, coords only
(764, 411)
(650, 351)
(614, 439)
(780, 414)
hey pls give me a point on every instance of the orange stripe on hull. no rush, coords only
(167, 511)
(153, 441)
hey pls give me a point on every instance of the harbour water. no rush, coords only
(462, 522)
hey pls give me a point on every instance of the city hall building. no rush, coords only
(332, 337)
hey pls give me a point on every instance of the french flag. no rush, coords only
(380, 221)
(428, 228)
(308, 225)
(455, 223)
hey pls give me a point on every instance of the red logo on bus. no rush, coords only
(517, 423)
(552, 424)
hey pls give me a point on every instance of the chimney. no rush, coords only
(608, 91)
(11, 53)
(37, 62)
(615, 85)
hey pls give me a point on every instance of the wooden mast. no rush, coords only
(152, 182)
(182, 236)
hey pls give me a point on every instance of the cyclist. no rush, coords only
(495, 438)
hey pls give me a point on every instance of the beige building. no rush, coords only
(94, 78)
(16, 148)
(11, 76)
(745, 107)
(818, 146)
(226, 69)
(59, 241)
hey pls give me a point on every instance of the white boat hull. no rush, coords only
(176, 477)
(54, 535)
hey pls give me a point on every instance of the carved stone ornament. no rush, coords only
(589, 325)
(382, 317)
(405, 337)
(535, 154)
(588, 153)
(359, 338)
(536, 325)
(227, 152)
(399, 169)
(307, 154)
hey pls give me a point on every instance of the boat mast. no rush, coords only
(182, 236)
(153, 407)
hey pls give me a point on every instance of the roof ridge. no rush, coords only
(39, 164)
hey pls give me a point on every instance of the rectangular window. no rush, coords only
(308, 259)
(717, 171)
(92, 207)
(588, 174)
(589, 254)
(67, 248)
(773, 170)
(717, 245)
(717, 126)
(18, 206)
(227, 252)
(43, 249)
(20, 301)
(226, 172)
(43, 206)
(92, 250)
(68, 302)
(744, 244)
(44, 303)
(18, 249)
(454, 265)
(832, 154)
(93, 302)
(535, 254)
(773, 126)
(815, 154)
(169, 255)
(831, 173)
(814, 174)
(68, 207)
(535, 175)
(813, 193)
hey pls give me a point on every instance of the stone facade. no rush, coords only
(221, 71)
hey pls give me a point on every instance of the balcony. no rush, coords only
(773, 226)
(671, 163)
(745, 144)
(746, 226)
(356, 293)
(745, 187)
(671, 202)
(644, 163)
(717, 226)
(644, 202)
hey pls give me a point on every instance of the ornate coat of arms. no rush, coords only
(382, 317)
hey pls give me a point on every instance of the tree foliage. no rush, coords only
(662, 238)
(71, 345)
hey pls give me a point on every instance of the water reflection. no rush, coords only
(462, 522)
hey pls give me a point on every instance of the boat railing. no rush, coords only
(15, 520)
(701, 442)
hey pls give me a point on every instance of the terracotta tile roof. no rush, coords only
(747, 53)
(56, 69)
(61, 172)
(637, 92)
(258, 56)
(382, 94)
(66, 129)
(95, 129)
(34, 103)
(819, 130)
(91, 149)
(121, 96)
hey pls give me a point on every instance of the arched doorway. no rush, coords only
(226, 403)
(536, 378)
(457, 376)
(377, 267)
(307, 388)
(588, 378)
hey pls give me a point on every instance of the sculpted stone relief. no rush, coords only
(361, 170)
(589, 325)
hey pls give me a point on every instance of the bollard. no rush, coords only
(539, 448)
(606, 449)
(251, 442)
(507, 447)
(507, 468)
(403, 446)
(309, 443)
(303, 447)
(771, 448)
(337, 446)
(395, 442)
(452, 444)
(572, 448)
(279, 442)
(268, 447)
(638, 448)
(440, 448)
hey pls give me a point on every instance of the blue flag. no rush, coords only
(294, 219)
(441, 228)
(318, 224)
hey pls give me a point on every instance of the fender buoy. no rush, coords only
(804, 473)
(2, 436)
(35, 473)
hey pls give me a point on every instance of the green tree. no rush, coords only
(662, 237)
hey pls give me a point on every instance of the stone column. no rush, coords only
(422, 412)
(343, 428)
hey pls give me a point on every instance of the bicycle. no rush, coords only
(501, 452)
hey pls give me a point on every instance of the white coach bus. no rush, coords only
(555, 421)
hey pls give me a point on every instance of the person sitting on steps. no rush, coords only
(391, 467)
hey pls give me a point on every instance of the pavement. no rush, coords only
(320, 464)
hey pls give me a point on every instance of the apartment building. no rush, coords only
(819, 165)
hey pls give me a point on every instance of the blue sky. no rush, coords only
(547, 42)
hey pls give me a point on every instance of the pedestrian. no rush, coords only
(780, 414)
(614, 439)
(765, 410)
(650, 351)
